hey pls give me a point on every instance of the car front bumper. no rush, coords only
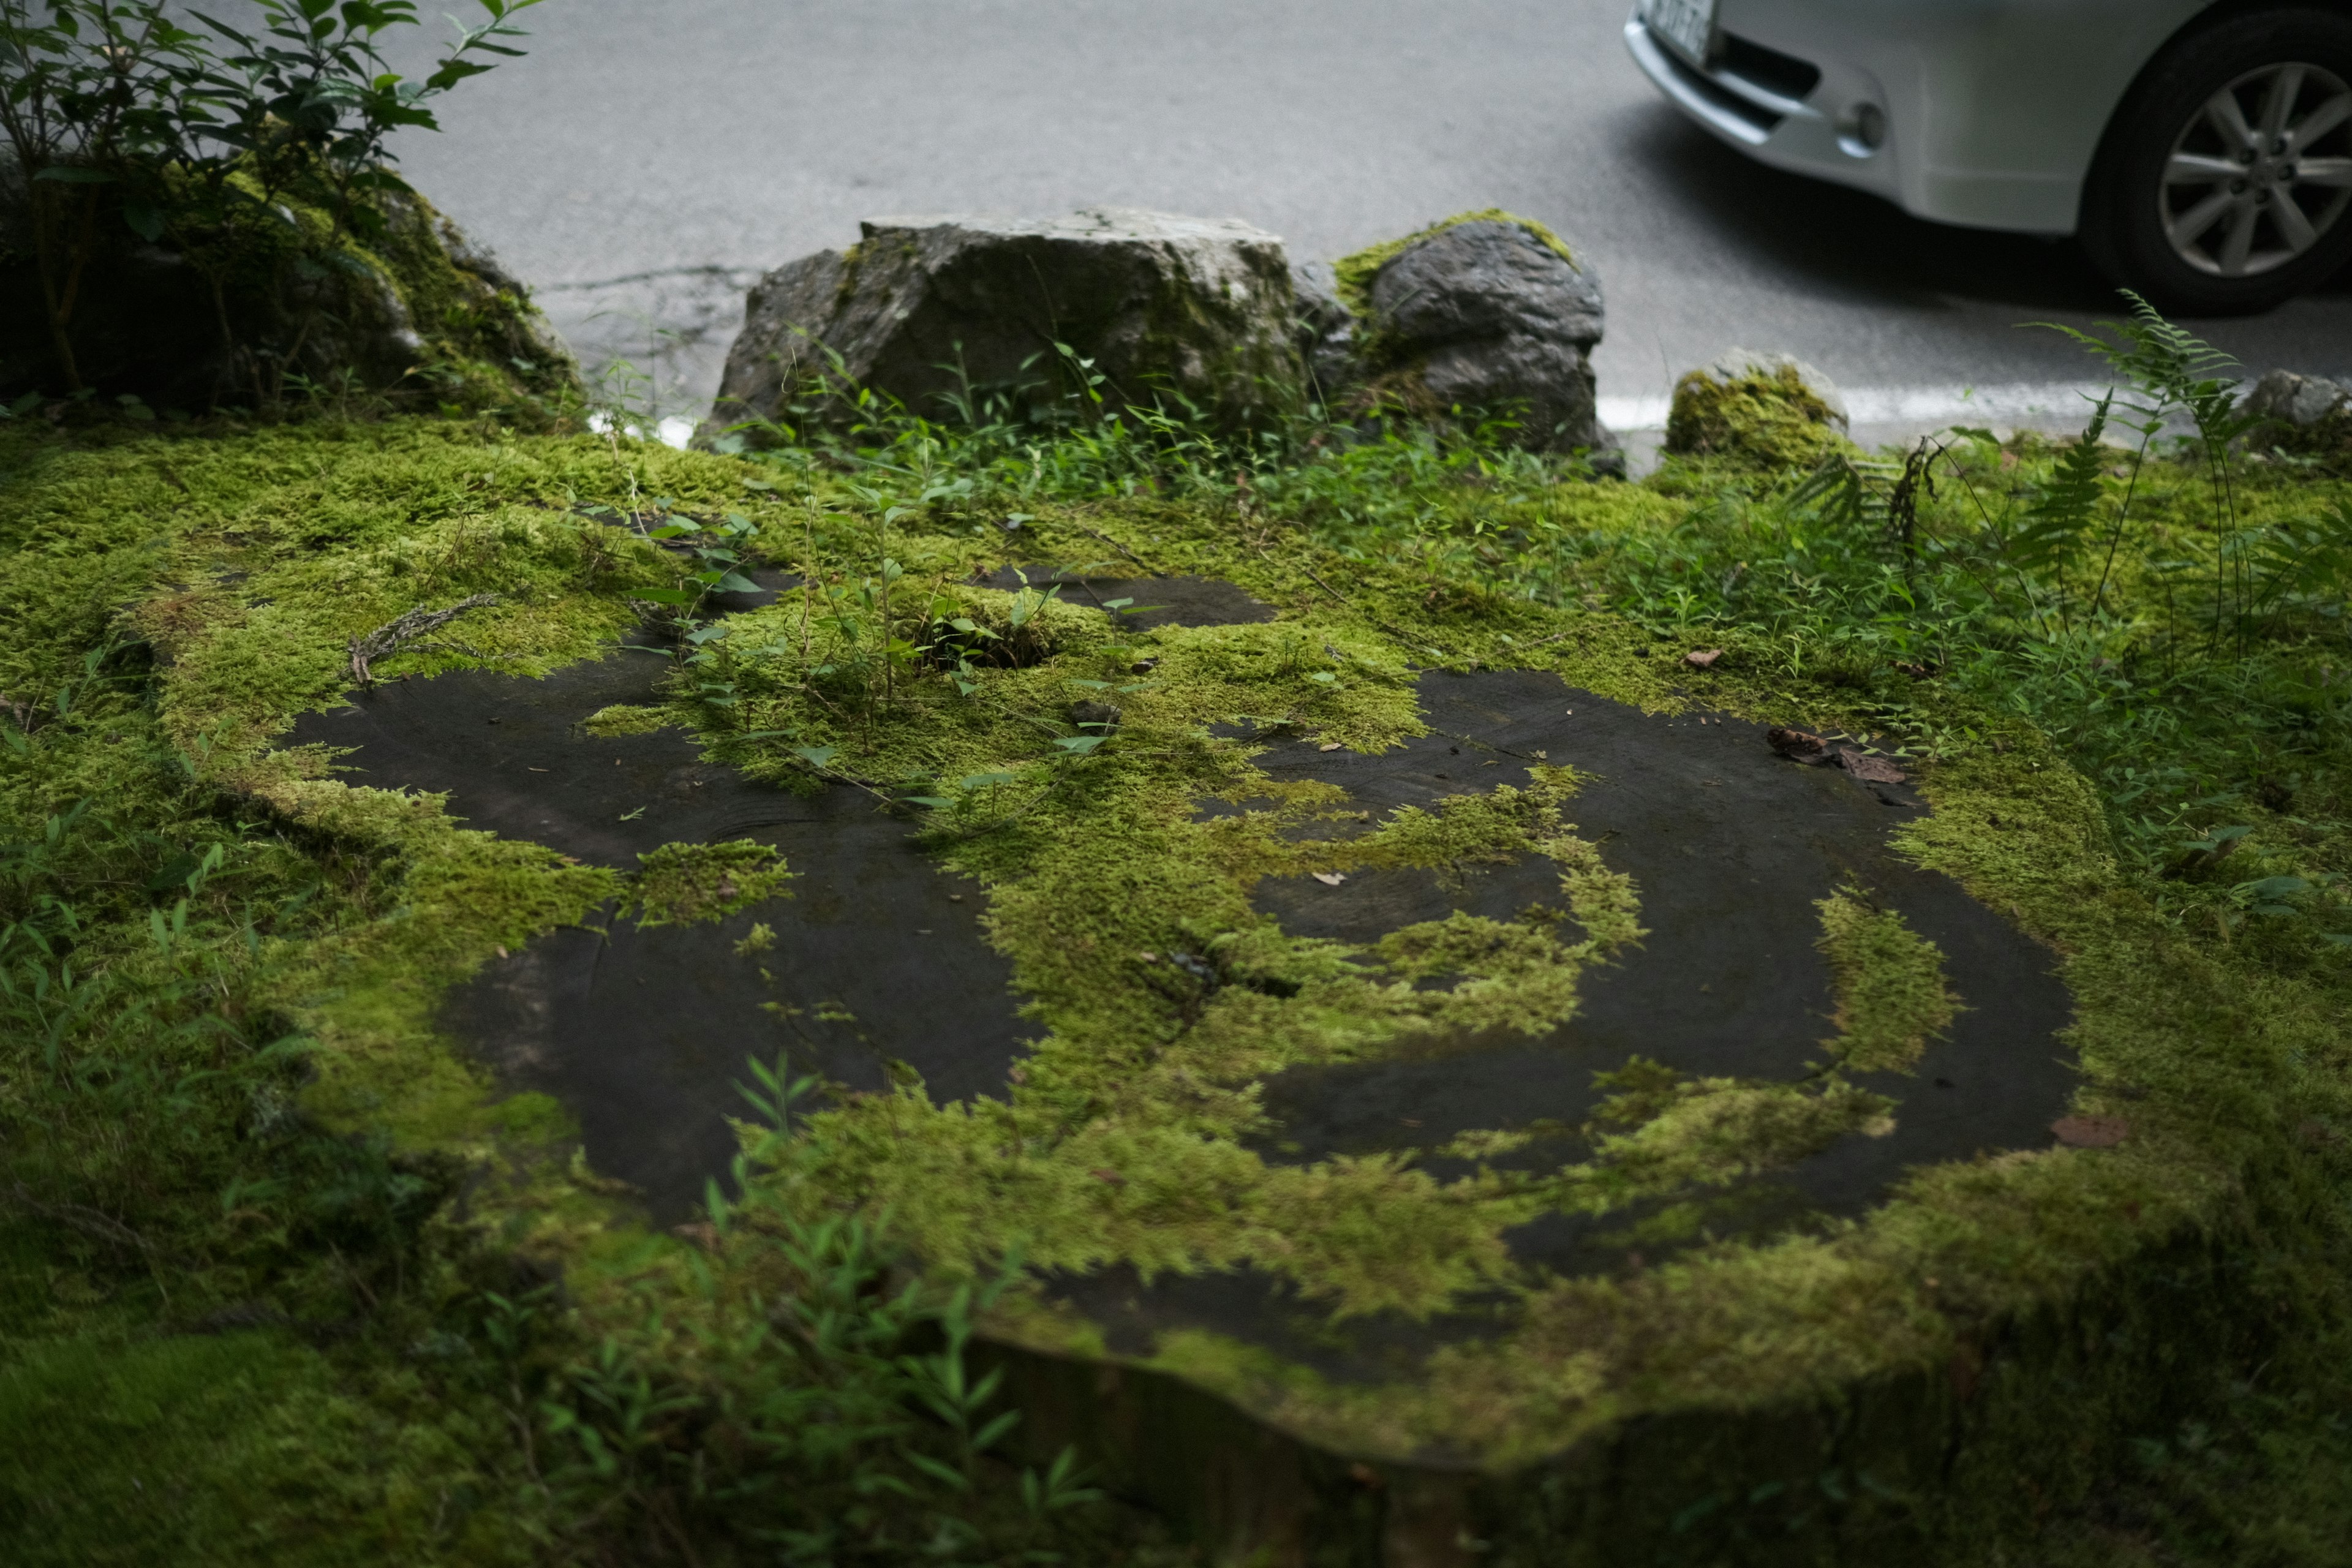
(1988, 111)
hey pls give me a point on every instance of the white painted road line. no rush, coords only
(2038, 405)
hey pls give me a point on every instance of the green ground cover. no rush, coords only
(235, 1146)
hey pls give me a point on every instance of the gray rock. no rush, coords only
(1484, 316)
(2302, 401)
(1326, 334)
(929, 310)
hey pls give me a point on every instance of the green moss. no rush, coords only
(1770, 420)
(679, 884)
(240, 1448)
(626, 719)
(1892, 997)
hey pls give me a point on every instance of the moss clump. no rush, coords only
(679, 884)
(1353, 273)
(1765, 416)
(1714, 1130)
(1892, 997)
(627, 718)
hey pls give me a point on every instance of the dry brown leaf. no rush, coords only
(1702, 658)
(1112, 1177)
(1869, 769)
(1329, 746)
(1800, 746)
(702, 1233)
(1330, 878)
(2090, 1132)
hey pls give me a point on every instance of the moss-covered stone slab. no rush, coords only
(1543, 988)
(1732, 1187)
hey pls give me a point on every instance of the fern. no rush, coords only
(2057, 527)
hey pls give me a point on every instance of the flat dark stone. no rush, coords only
(876, 966)
(1176, 601)
(1729, 845)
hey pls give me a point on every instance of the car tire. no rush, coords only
(2204, 216)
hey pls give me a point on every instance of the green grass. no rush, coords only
(127, 1445)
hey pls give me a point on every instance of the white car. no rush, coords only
(2202, 152)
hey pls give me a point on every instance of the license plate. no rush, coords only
(1687, 25)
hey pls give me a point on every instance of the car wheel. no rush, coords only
(2222, 184)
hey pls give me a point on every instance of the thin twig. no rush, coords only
(393, 636)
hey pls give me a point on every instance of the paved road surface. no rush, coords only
(654, 137)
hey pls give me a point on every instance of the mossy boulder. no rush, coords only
(1485, 315)
(1764, 410)
(2301, 415)
(401, 308)
(1105, 306)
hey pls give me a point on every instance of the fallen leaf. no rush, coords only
(1702, 658)
(1800, 746)
(1113, 1177)
(1363, 1475)
(1329, 746)
(1916, 672)
(501, 952)
(1147, 958)
(1330, 878)
(1017, 1074)
(2090, 1132)
(702, 1233)
(1869, 769)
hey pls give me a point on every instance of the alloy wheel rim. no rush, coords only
(2261, 172)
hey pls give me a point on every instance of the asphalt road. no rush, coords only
(641, 142)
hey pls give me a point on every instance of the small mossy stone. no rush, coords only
(1766, 411)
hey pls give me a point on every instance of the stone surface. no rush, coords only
(879, 965)
(1326, 334)
(1486, 316)
(2302, 401)
(419, 294)
(1191, 310)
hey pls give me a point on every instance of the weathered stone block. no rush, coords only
(1186, 311)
